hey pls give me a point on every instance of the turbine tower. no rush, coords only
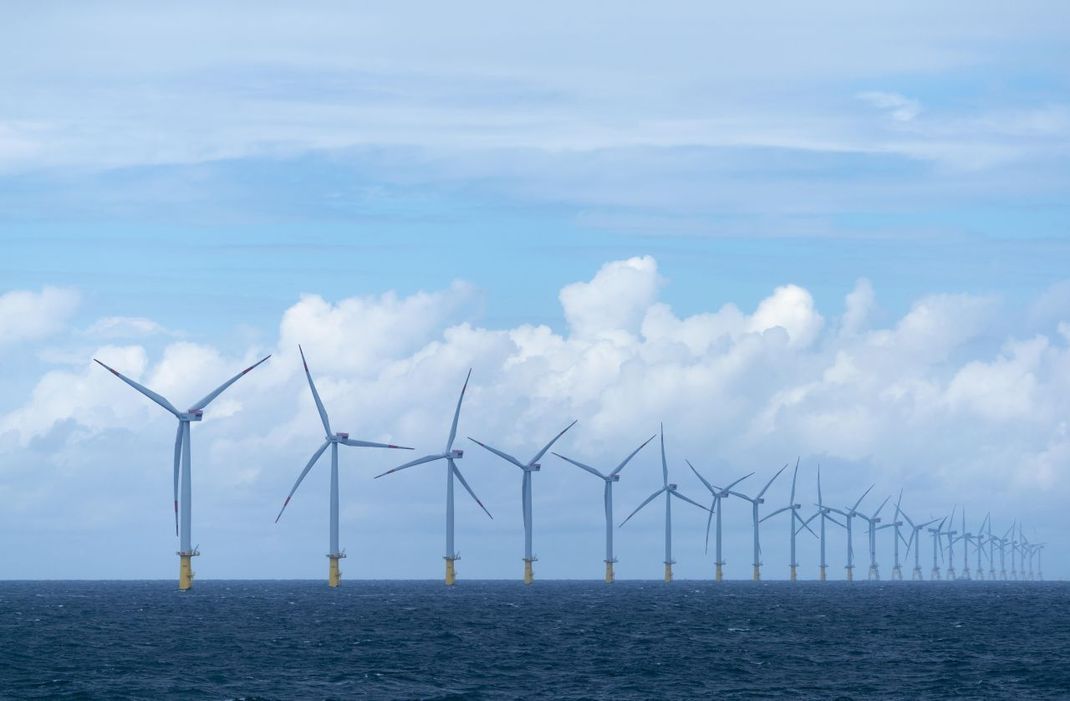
(966, 539)
(182, 457)
(1013, 542)
(755, 502)
(979, 542)
(607, 494)
(525, 493)
(915, 542)
(938, 549)
(871, 531)
(334, 575)
(450, 455)
(822, 514)
(670, 491)
(794, 509)
(991, 559)
(951, 546)
(848, 515)
(718, 495)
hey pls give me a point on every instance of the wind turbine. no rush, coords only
(182, 457)
(794, 509)
(525, 493)
(450, 455)
(1013, 542)
(991, 559)
(1025, 550)
(822, 514)
(609, 479)
(979, 542)
(718, 495)
(897, 570)
(938, 549)
(332, 439)
(1040, 569)
(848, 515)
(966, 539)
(670, 491)
(1004, 541)
(754, 502)
(951, 546)
(915, 541)
(871, 522)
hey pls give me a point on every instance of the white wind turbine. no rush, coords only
(607, 495)
(669, 490)
(915, 542)
(718, 495)
(332, 440)
(951, 546)
(182, 457)
(896, 524)
(450, 455)
(525, 493)
(794, 509)
(938, 549)
(824, 515)
(755, 502)
(848, 515)
(871, 532)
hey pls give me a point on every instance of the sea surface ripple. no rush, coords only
(561, 640)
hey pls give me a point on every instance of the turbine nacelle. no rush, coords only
(534, 467)
(456, 453)
(192, 415)
(672, 487)
(613, 478)
(341, 436)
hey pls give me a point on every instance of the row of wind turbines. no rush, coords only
(943, 539)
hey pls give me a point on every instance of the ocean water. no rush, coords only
(563, 640)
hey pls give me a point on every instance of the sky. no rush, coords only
(837, 234)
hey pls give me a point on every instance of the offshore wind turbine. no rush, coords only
(718, 495)
(334, 575)
(182, 458)
(896, 524)
(991, 539)
(450, 455)
(951, 546)
(915, 541)
(938, 548)
(670, 491)
(531, 466)
(848, 515)
(755, 502)
(607, 494)
(871, 531)
(966, 539)
(822, 514)
(1013, 542)
(794, 509)
(979, 541)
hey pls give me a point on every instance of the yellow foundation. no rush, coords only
(335, 576)
(668, 572)
(529, 574)
(793, 573)
(720, 573)
(850, 574)
(822, 576)
(609, 572)
(451, 574)
(185, 573)
(757, 576)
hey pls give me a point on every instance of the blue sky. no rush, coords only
(178, 187)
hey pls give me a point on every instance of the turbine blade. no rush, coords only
(664, 465)
(853, 508)
(769, 516)
(794, 477)
(464, 483)
(645, 502)
(141, 388)
(315, 394)
(688, 500)
(538, 456)
(805, 524)
(308, 466)
(709, 521)
(457, 413)
(770, 482)
(881, 507)
(219, 390)
(704, 481)
(841, 525)
(369, 444)
(729, 487)
(904, 515)
(819, 500)
(178, 457)
(412, 463)
(620, 467)
(580, 465)
(500, 454)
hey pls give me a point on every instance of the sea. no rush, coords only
(552, 640)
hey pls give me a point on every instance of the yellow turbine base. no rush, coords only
(793, 573)
(719, 575)
(185, 573)
(757, 576)
(823, 576)
(609, 573)
(668, 572)
(335, 576)
(529, 573)
(451, 574)
(850, 575)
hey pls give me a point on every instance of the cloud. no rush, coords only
(117, 327)
(31, 316)
(900, 108)
(926, 403)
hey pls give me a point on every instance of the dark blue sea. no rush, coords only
(561, 640)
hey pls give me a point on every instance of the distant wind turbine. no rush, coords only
(795, 517)
(822, 514)
(755, 502)
(915, 542)
(938, 548)
(951, 546)
(527, 468)
(607, 494)
(182, 456)
(334, 575)
(848, 516)
(450, 455)
(966, 537)
(871, 532)
(896, 524)
(669, 490)
(718, 496)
